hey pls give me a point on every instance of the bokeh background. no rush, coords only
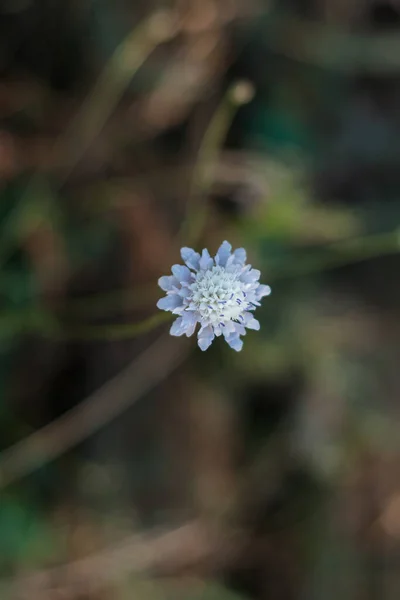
(132, 465)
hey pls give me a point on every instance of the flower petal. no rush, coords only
(177, 328)
(178, 310)
(240, 256)
(250, 322)
(253, 324)
(167, 282)
(229, 328)
(205, 337)
(240, 329)
(263, 290)
(169, 302)
(234, 342)
(206, 262)
(224, 252)
(250, 276)
(182, 273)
(190, 322)
(185, 292)
(191, 258)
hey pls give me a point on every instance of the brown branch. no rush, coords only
(168, 552)
(98, 409)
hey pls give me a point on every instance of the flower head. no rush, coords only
(219, 293)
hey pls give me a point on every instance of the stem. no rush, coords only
(207, 158)
(126, 60)
(95, 305)
(128, 57)
(116, 331)
(345, 253)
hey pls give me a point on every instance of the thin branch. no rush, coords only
(99, 408)
(87, 123)
(169, 551)
(238, 94)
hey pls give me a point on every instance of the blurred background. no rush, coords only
(132, 465)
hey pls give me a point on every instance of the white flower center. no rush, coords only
(218, 295)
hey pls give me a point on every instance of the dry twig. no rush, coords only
(99, 408)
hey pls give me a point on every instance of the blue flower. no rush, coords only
(219, 293)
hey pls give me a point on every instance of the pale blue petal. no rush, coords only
(246, 317)
(251, 295)
(191, 329)
(253, 324)
(218, 329)
(167, 282)
(240, 256)
(263, 290)
(234, 342)
(255, 303)
(250, 322)
(189, 317)
(177, 328)
(205, 337)
(245, 269)
(250, 276)
(229, 327)
(240, 329)
(182, 273)
(178, 310)
(169, 302)
(224, 252)
(206, 262)
(184, 292)
(190, 322)
(191, 258)
(232, 266)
